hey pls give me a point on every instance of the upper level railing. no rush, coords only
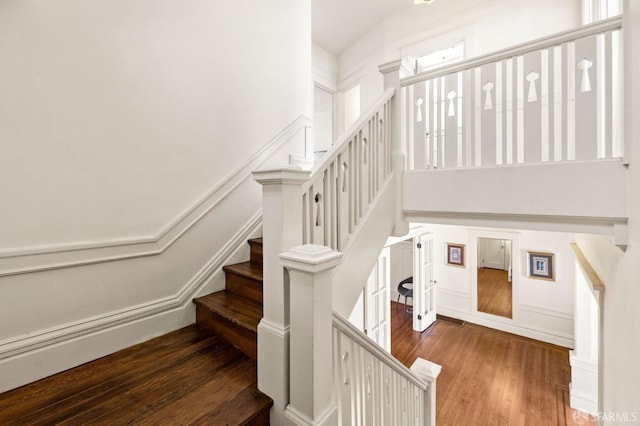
(349, 177)
(554, 99)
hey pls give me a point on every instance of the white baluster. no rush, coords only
(532, 95)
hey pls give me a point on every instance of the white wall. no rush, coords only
(619, 269)
(541, 309)
(485, 25)
(584, 358)
(322, 119)
(115, 118)
(127, 132)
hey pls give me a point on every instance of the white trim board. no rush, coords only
(48, 257)
(37, 364)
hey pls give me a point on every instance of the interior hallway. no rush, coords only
(488, 377)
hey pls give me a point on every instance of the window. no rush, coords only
(440, 57)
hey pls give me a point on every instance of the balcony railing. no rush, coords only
(551, 100)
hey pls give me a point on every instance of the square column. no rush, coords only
(310, 270)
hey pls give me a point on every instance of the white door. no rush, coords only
(493, 253)
(377, 306)
(424, 285)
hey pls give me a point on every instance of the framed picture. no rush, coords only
(455, 254)
(541, 265)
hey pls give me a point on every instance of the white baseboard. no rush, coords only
(54, 358)
(582, 401)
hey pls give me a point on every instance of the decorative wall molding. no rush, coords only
(49, 257)
(532, 332)
(44, 338)
(546, 311)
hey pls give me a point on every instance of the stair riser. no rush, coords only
(243, 286)
(255, 252)
(245, 340)
(263, 419)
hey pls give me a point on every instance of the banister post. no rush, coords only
(393, 72)
(429, 372)
(310, 269)
(281, 230)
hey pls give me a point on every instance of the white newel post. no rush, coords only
(429, 372)
(310, 269)
(282, 229)
(392, 72)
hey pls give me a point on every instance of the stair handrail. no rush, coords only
(610, 24)
(349, 176)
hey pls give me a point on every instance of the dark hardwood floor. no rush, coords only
(193, 377)
(494, 292)
(488, 377)
(186, 377)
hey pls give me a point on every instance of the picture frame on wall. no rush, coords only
(541, 265)
(455, 254)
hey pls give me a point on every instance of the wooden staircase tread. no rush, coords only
(239, 310)
(256, 241)
(245, 269)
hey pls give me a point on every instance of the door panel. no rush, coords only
(424, 284)
(377, 303)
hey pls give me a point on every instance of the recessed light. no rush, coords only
(423, 1)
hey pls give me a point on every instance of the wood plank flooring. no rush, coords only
(488, 377)
(494, 292)
(185, 377)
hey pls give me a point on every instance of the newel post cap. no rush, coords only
(311, 258)
(281, 175)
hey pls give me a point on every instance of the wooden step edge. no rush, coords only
(248, 270)
(247, 319)
(242, 338)
(255, 241)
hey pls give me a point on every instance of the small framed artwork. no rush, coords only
(541, 265)
(455, 254)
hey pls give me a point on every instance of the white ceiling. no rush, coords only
(337, 24)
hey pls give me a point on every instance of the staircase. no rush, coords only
(201, 374)
(234, 313)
